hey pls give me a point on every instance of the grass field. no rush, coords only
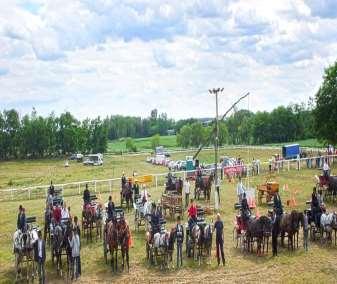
(316, 266)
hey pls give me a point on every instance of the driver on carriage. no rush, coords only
(199, 176)
(86, 195)
(111, 209)
(245, 210)
(155, 226)
(278, 205)
(315, 208)
(169, 179)
(123, 180)
(57, 214)
(135, 190)
(192, 214)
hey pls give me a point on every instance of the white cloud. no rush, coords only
(107, 57)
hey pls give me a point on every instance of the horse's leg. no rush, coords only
(127, 258)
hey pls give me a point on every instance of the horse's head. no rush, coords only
(196, 232)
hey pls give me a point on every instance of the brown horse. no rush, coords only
(203, 184)
(257, 230)
(124, 241)
(290, 224)
(112, 241)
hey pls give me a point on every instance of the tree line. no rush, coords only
(34, 136)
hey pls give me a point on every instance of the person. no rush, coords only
(219, 239)
(76, 226)
(320, 199)
(135, 189)
(187, 186)
(123, 180)
(155, 228)
(144, 195)
(64, 212)
(86, 195)
(192, 214)
(19, 217)
(70, 216)
(22, 223)
(240, 189)
(245, 210)
(326, 169)
(40, 256)
(51, 189)
(57, 214)
(180, 240)
(275, 231)
(305, 230)
(111, 209)
(315, 208)
(75, 245)
(278, 205)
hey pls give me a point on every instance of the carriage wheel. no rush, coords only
(235, 237)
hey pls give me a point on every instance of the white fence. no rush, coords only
(113, 185)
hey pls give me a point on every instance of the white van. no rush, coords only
(93, 160)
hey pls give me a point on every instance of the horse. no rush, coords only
(124, 241)
(60, 243)
(203, 184)
(98, 219)
(23, 243)
(328, 222)
(289, 224)
(205, 244)
(126, 195)
(163, 244)
(47, 223)
(112, 242)
(257, 229)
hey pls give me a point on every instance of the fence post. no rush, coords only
(110, 186)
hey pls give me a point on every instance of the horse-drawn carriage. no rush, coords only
(173, 185)
(92, 216)
(23, 242)
(203, 185)
(142, 213)
(173, 203)
(199, 237)
(57, 200)
(267, 191)
(160, 244)
(328, 186)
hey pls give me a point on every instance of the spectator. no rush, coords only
(240, 190)
(74, 242)
(40, 256)
(187, 186)
(326, 169)
(219, 239)
(76, 226)
(180, 240)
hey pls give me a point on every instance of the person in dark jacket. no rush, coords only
(278, 205)
(275, 231)
(86, 195)
(19, 217)
(22, 223)
(135, 190)
(315, 208)
(219, 239)
(245, 210)
(51, 189)
(40, 256)
(111, 208)
(180, 240)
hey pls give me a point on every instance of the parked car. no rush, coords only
(93, 160)
(78, 157)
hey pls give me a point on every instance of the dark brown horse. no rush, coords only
(203, 184)
(126, 195)
(290, 224)
(112, 241)
(124, 241)
(257, 230)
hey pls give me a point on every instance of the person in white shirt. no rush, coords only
(326, 169)
(64, 212)
(240, 190)
(187, 186)
(75, 245)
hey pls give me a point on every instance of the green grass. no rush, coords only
(142, 144)
(316, 266)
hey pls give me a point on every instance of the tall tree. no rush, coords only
(325, 113)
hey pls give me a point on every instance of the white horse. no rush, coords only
(328, 221)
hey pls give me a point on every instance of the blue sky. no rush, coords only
(107, 57)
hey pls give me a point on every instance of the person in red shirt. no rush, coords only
(192, 214)
(57, 214)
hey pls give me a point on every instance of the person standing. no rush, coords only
(187, 187)
(180, 240)
(192, 214)
(76, 226)
(275, 232)
(74, 242)
(19, 217)
(326, 169)
(305, 230)
(240, 190)
(40, 256)
(219, 239)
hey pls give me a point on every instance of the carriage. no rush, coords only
(267, 191)
(92, 216)
(173, 185)
(203, 184)
(119, 213)
(239, 232)
(328, 186)
(23, 250)
(188, 239)
(142, 211)
(172, 203)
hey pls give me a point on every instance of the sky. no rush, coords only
(106, 57)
